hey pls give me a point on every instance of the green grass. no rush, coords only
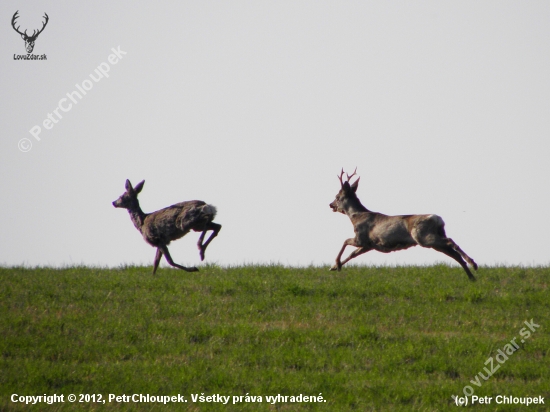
(367, 338)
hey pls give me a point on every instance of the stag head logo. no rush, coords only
(29, 40)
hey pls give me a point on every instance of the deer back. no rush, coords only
(174, 222)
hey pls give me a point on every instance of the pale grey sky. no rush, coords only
(255, 106)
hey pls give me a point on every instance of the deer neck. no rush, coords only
(137, 216)
(354, 206)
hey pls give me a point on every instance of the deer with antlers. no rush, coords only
(161, 227)
(376, 231)
(29, 40)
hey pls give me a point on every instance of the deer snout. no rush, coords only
(333, 207)
(114, 204)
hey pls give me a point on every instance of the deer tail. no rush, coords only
(209, 211)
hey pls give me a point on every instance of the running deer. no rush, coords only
(375, 231)
(171, 223)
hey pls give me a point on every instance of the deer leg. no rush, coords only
(462, 253)
(158, 256)
(452, 253)
(215, 228)
(200, 245)
(355, 253)
(338, 265)
(171, 262)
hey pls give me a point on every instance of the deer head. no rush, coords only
(346, 196)
(29, 40)
(129, 200)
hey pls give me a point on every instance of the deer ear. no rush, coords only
(128, 186)
(346, 187)
(355, 185)
(139, 186)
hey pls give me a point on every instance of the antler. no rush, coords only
(348, 176)
(353, 174)
(15, 16)
(340, 177)
(43, 25)
(35, 33)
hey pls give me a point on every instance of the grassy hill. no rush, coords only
(365, 339)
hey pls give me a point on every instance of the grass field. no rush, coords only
(366, 339)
